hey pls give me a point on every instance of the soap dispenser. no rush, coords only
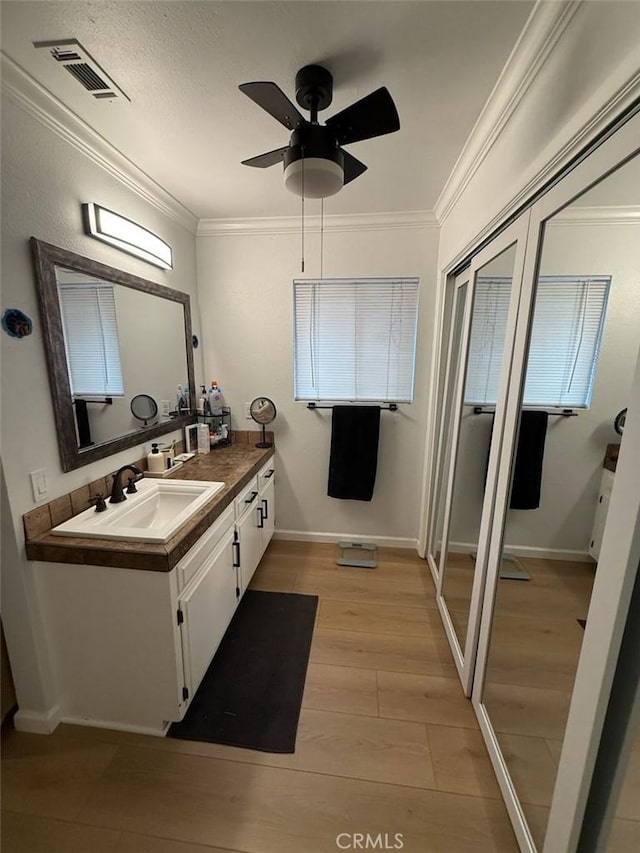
(155, 460)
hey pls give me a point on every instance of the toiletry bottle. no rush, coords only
(155, 460)
(180, 401)
(202, 400)
(216, 400)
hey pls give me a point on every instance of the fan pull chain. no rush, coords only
(322, 238)
(302, 264)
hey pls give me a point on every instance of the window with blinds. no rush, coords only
(355, 339)
(91, 339)
(565, 340)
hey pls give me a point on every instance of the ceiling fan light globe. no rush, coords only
(313, 177)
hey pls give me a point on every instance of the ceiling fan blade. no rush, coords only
(373, 115)
(268, 159)
(353, 168)
(274, 101)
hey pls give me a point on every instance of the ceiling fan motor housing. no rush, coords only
(314, 88)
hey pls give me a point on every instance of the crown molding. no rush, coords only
(541, 32)
(411, 219)
(614, 215)
(38, 102)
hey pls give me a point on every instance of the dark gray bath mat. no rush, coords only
(252, 692)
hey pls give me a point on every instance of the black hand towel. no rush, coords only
(527, 475)
(354, 452)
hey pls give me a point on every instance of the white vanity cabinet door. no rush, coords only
(602, 508)
(267, 511)
(206, 608)
(249, 543)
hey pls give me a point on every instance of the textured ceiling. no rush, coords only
(188, 126)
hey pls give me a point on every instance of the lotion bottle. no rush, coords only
(155, 460)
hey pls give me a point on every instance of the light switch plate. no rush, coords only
(39, 485)
(247, 411)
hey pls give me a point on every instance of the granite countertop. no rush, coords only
(234, 466)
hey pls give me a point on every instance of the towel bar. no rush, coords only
(392, 407)
(565, 413)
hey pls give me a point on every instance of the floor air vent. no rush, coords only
(71, 55)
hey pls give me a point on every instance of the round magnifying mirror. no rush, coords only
(618, 424)
(144, 408)
(263, 411)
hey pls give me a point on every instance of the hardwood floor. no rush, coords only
(387, 744)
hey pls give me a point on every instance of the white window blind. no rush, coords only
(486, 343)
(91, 339)
(355, 339)
(565, 340)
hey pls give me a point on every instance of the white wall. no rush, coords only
(44, 182)
(246, 297)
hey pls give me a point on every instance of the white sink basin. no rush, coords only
(153, 514)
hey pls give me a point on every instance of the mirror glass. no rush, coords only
(119, 343)
(582, 355)
(485, 356)
(454, 319)
(625, 829)
(111, 338)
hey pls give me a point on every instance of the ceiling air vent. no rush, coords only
(72, 56)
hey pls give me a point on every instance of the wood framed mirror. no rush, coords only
(110, 336)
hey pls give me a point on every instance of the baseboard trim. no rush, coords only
(313, 536)
(565, 554)
(119, 727)
(37, 722)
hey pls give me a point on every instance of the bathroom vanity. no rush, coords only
(133, 626)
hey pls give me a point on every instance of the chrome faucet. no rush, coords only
(117, 495)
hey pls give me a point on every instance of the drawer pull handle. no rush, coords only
(251, 498)
(265, 508)
(261, 517)
(269, 473)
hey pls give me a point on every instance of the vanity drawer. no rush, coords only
(193, 560)
(266, 475)
(247, 497)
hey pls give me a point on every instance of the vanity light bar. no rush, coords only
(126, 235)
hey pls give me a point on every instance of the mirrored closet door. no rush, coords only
(481, 334)
(453, 323)
(574, 360)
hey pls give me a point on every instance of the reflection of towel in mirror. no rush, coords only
(527, 475)
(354, 452)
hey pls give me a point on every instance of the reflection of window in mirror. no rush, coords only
(565, 340)
(91, 339)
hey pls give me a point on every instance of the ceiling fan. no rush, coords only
(315, 164)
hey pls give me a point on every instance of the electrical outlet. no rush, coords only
(247, 411)
(39, 485)
(165, 408)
